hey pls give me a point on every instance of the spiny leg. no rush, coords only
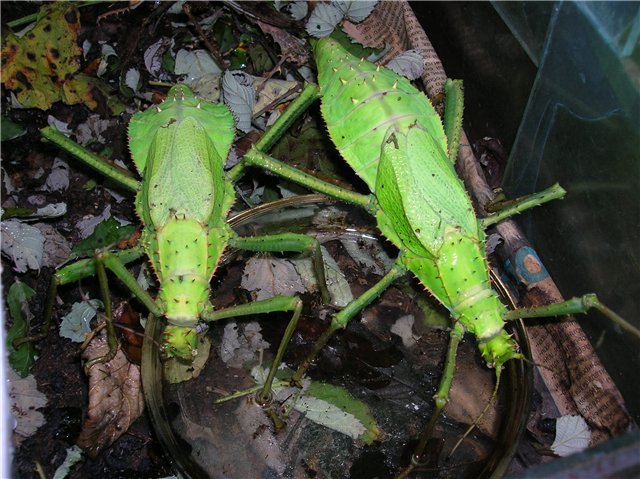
(341, 319)
(441, 398)
(288, 242)
(70, 274)
(270, 305)
(454, 100)
(554, 192)
(579, 305)
(112, 340)
(256, 158)
(309, 94)
(89, 158)
(279, 127)
(117, 267)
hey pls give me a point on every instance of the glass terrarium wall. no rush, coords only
(581, 128)
(558, 84)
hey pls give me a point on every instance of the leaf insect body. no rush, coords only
(183, 200)
(392, 137)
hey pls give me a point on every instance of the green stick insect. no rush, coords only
(392, 137)
(179, 149)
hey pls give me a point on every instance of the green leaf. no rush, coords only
(335, 408)
(106, 234)
(74, 455)
(20, 359)
(194, 64)
(77, 323)
(10, 130)
(168, 62)
(260, 58)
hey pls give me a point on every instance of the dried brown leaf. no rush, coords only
(293, 49)
(115, 398)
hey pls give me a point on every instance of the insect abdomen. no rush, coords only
(183, 270)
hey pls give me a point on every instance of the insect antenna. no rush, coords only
(480, 416)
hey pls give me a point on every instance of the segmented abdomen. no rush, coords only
(360, 102)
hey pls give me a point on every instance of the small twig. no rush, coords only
(92, 334)
(210, 46)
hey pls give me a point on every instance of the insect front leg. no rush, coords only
(308, 95)
(554, 192)
(51, 134)
(81, 269)
(289, 242)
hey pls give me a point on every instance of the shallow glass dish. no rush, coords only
(394, 374)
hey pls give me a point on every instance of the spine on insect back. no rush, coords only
(361, 101)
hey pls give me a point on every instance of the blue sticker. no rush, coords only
(528, 266)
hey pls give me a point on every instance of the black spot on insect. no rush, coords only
(31, 56)
(417, 230)
(23, 79)
(47, 27)
(433, 175)
(55, 54)
(71, 17)
(181, 278)
(31, 36)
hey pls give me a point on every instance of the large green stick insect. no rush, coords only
(392, 137)
(179, 149)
